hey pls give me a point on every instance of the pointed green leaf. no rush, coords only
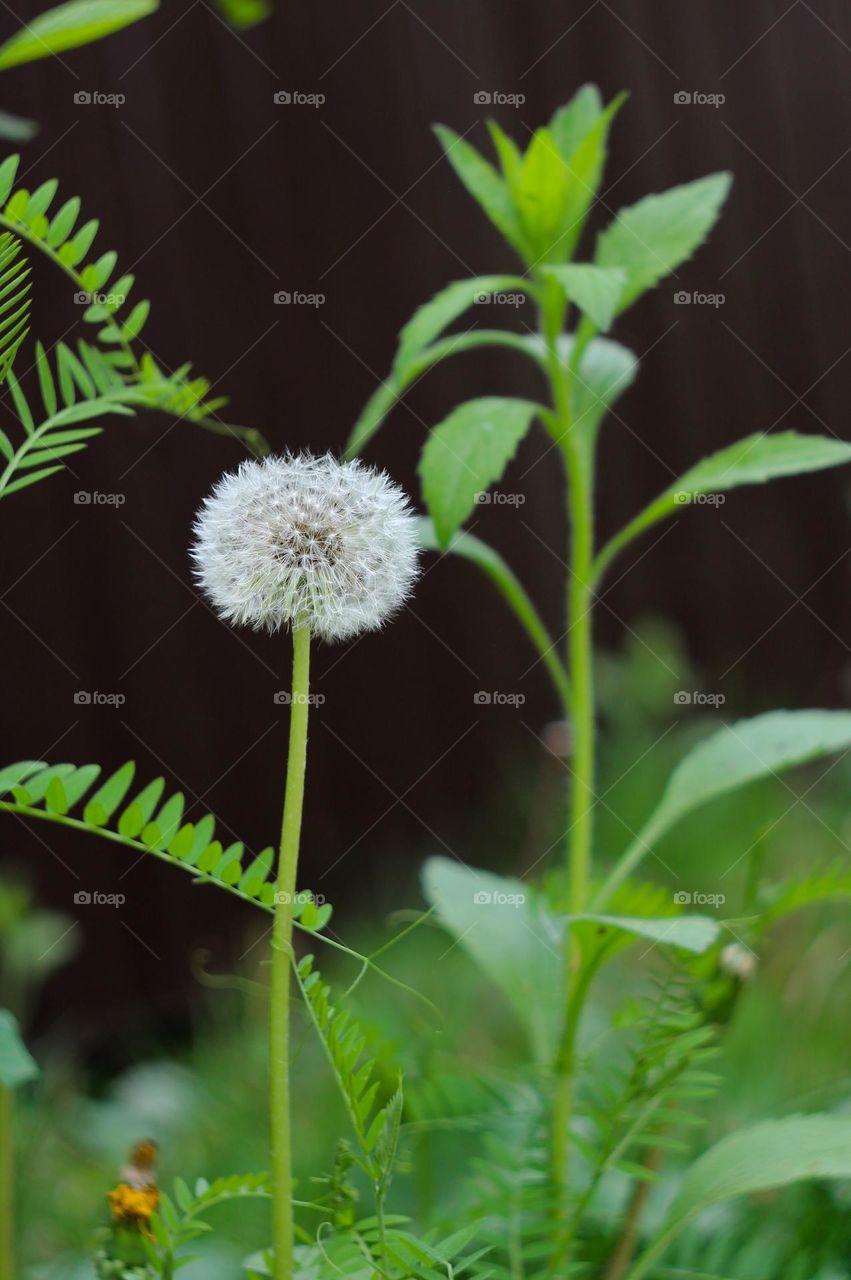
(108, 797)
(514, 940)
(773, 1154)
(67, 26)
(731, 757)
(657, 235)
(486, 187)
(595, 290)
(754, 460)
(466, 453)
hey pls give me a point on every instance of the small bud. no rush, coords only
(738, 961)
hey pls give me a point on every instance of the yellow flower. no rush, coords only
(132, 1206)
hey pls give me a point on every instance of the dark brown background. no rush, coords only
(217, 197)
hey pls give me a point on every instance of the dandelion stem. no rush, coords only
(279, 1023)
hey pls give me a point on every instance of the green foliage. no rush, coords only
(595, 290)
(511, 1196)
(107, 375)
(657, 235)
(731, 757)
(773, 1154)
(754, 460)
(375, 1128)
(244, 14)
(643, 1105)
(369, 1250)
(68, 26)
(518, 942)
(17, 1065)
(86, 386)
(810, 888)
(466, 453)
(182, 1220)
(510, 934)
(540, 199)
(149, 823)
(14, 301)
(34, 943)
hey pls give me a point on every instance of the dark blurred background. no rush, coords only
(216, 198)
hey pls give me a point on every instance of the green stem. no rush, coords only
(581, 667)
(7, 1182)
(508, 584)
(577, 451)
(282, 951)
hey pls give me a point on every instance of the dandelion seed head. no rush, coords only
(303, 540)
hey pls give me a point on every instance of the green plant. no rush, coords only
(327, 549)
(17, 1068)
(112, 374)
(539, 201)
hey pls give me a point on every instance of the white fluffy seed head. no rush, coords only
(299, 540)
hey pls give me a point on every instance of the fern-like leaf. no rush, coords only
(57, 230)
(376, 1129)
(14, 300)
(149, 823)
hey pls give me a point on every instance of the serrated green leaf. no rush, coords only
(467, 453)
(657, 235)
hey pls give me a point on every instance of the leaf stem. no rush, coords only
(282, 951)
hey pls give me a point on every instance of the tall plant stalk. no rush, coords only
(7, 1183)
(577, 453)
(279, 1020)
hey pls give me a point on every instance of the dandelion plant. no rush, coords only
(322, 548)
